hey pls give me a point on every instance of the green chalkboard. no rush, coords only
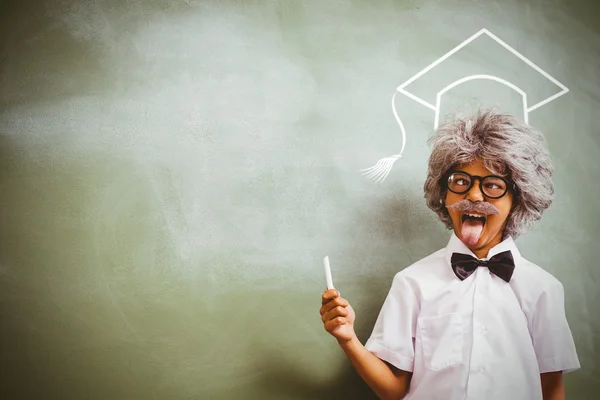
(172, 174)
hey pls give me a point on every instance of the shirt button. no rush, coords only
(480, 368)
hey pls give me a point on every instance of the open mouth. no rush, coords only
(473, 217)
(472, 228)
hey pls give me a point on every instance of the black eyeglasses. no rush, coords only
(491, 186)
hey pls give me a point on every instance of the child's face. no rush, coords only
(479, 234)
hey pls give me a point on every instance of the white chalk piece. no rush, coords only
(328, 273)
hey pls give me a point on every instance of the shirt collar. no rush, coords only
(455, 245)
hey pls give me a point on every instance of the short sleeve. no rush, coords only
(552, 338)
(392, 339)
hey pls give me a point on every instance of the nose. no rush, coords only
(474, 194)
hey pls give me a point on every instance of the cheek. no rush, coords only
(505, 206)
(504, 209)
(455, 216)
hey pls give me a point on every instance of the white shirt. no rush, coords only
(481, 338)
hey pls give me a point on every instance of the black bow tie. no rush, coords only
(502, 264)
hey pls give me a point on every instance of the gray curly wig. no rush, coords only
(506, 147)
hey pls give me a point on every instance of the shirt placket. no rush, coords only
(479, 373)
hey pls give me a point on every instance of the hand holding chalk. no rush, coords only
(337, 314)
(328, 278)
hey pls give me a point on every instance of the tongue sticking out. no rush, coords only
(471, 231)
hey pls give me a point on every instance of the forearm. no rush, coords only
(552, 386)
(376, 373)
(554, 394)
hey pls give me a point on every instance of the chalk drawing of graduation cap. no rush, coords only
(381, 170)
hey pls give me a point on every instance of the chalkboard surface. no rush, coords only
(172, 174)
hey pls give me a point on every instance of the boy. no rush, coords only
(474, 320)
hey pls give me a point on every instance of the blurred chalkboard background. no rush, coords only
(173, 172)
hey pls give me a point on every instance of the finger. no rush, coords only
(330, 326)
(333, 314)
(329, 295)
(337, 302)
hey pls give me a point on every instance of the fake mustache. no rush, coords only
(479, 207)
